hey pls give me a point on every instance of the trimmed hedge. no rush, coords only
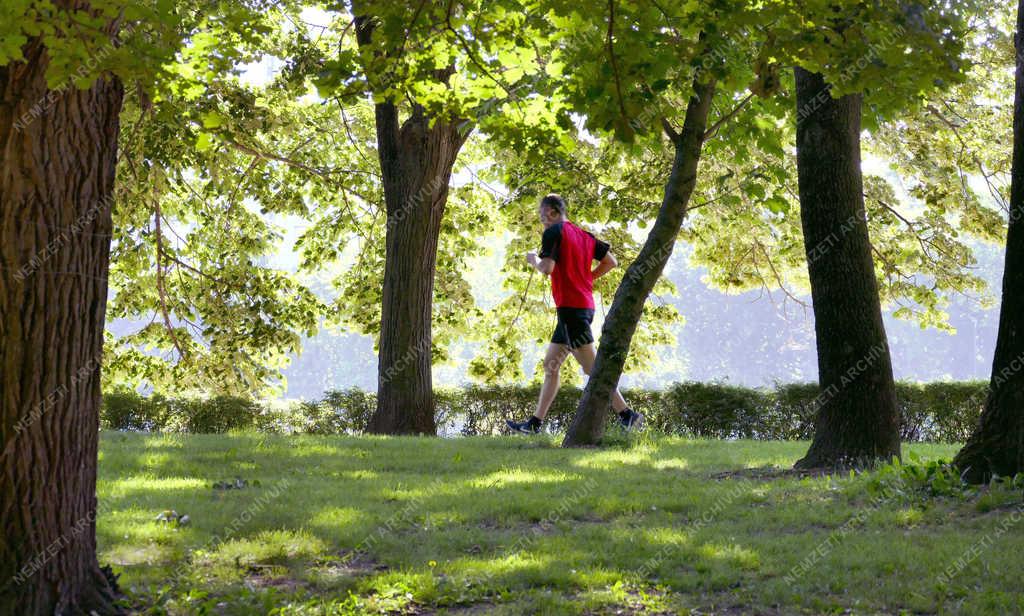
(127, 410)
(937, 412)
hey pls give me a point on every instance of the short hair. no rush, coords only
(555, 202)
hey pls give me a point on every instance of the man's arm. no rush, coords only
(550, 244)
(605, 265)
(605, 260)
(544, 266)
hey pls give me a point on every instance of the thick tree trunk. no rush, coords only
(587, 427)
(997, 446)
(416, 160)
(857, 419)
(56, 184)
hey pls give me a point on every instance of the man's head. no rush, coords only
(552, 210)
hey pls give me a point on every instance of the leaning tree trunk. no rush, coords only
(620, 324)
(416, 160)
(997, 446)
(56, 184)
(857, 420)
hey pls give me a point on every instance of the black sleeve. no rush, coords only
(550, 242)
(600, 248)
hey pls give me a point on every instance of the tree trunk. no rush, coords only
(997, 445)
(416, 160)
(587, 427)
(56, 185)
(857, 420)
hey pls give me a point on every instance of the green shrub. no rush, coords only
(712, 410)
(955, 409)
(126, 409)
(212, 415)
(345, 411)
(942, 412)
(275, 417)
(483, 410)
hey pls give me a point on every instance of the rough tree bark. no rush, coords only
(997, 445)
(620, 324)
(857, 420)
(416, 159)
(56, 183)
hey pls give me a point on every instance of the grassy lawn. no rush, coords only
(338, 525)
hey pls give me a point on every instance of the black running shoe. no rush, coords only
(631, 420)
(530, 426)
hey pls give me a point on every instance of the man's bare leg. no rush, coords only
(553, 359)
(586, 355)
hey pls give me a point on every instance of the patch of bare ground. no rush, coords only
(769, 473)
(735, 610)
(270, 580)
(540, 527)
(353, 564)
(484, 607)
(730, 604)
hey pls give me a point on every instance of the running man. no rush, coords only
(566, 255)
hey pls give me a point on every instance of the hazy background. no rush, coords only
(754, 338)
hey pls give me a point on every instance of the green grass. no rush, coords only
(520, 526)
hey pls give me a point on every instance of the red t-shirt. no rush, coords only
(572, 249)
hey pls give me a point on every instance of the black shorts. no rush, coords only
(573, 327)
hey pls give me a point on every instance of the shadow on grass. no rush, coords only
(455, 522)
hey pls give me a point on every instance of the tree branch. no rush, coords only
(611, 58)
(160, 281)
(717, 125)
(672, 133)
